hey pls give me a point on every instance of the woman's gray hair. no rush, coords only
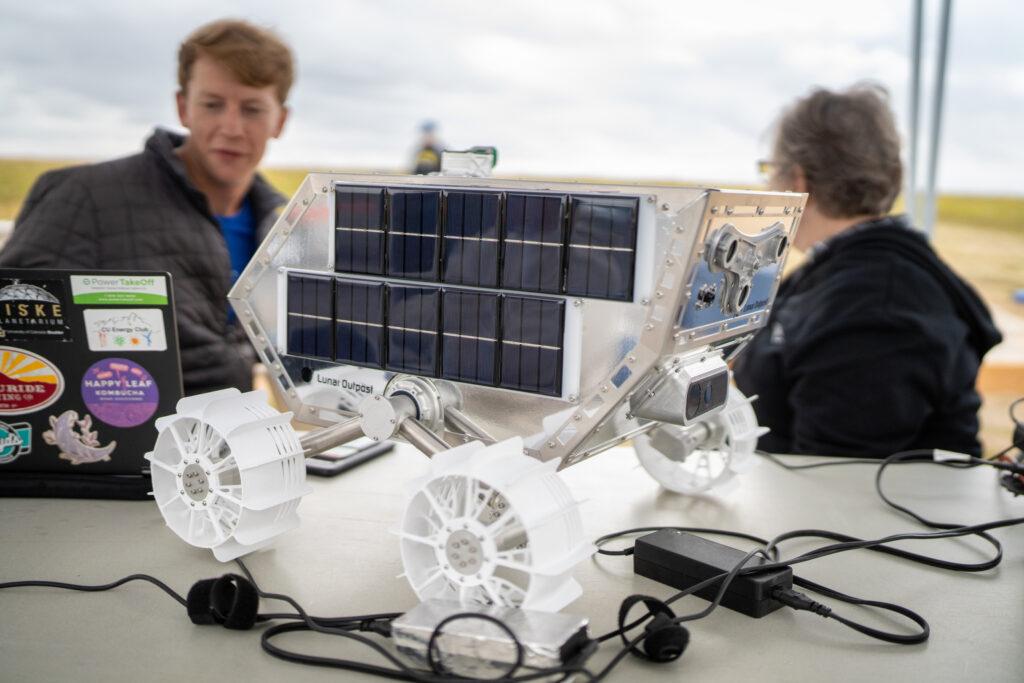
(848, 147)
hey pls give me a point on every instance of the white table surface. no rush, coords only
(344, 560)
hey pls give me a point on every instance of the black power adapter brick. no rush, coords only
(681, 560)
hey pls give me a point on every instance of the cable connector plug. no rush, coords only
(800, 601)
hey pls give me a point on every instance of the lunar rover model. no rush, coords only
(507, 329)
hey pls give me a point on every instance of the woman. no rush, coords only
(873, 344)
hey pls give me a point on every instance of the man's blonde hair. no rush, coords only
(256, 56)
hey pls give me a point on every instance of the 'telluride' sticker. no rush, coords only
(120, 392)
(27, 382)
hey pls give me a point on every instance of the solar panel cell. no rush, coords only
(359, 323)
(469, 340)
(413, 325)
(309, 316)
(414, 234)
(602, 244)
(472, 233)
(531, 348)
(534, 242)
(359, 230)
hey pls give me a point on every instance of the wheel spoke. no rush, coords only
(223, 464)
(470, 490)
(230, 498)
(191, 521)
(434, 576)
(510, 587)
(162, 465)
(215, 521)
(492, 594)
(425, 540)
(176, 437)
(442, 512)
(213, 445)
(168, 503)
(506, 559)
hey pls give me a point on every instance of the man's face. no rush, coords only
(230, 123)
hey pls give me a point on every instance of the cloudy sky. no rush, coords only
(671, 89)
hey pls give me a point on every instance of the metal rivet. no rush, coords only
(577, 302)
(632, 359)
(659, 294)
(323, 189)
(577, 417)
(551, 444)
(714, 209)
(729, 210)
(664, 207)
(645, 301)
(648, 327)
(760, 211)
(650, 199)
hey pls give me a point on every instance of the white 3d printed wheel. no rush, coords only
(490, 525)
(228, 472)
(728, 449)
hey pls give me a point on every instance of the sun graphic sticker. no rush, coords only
(27, 382)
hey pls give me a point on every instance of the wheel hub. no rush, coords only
(464, 552)
(195, 483)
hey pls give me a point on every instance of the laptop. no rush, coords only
(88, 362)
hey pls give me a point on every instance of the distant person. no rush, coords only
(428, 154)
(873, 344)
(193, 206)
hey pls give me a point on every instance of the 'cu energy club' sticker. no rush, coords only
(27, 382)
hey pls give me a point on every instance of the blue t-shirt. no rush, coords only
(239, 232)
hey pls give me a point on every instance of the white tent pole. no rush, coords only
(910, 192)
(936, 123)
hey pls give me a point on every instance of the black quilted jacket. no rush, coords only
(141, 212)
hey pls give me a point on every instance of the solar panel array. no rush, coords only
(546, 243)
(488, 338)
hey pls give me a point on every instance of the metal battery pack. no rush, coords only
(475, 648)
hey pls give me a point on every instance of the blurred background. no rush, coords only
(656, 91)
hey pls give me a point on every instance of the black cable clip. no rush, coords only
(664, 639)
(230, 600)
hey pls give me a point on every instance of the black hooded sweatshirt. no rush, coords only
(872, 347)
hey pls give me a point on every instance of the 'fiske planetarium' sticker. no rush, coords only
(27, 382)
(120, 392)
(31, 310)
(125, 329)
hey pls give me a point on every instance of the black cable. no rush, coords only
(645, 529)
(100, 587)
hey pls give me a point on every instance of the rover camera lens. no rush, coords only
(693, 395)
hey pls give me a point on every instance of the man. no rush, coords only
(193, 206)
(873, 344)
(428, 154)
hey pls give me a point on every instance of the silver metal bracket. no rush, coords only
(740, 256)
